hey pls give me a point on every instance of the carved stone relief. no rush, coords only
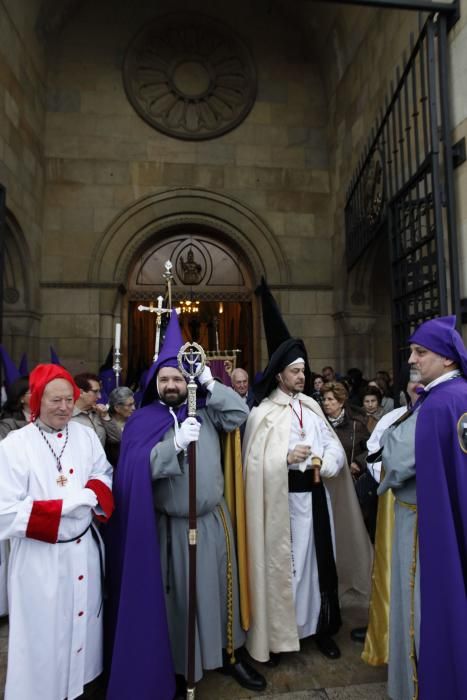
(189, 76)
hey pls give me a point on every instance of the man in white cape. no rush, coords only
(54, 480)
(306, 541)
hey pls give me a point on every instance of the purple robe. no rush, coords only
(441, 479)
(141, 665)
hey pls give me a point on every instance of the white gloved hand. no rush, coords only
(188, 432)
(205, 378)
(330, 467)
(76, 505)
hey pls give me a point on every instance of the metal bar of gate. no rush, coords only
(448, 170)
(2, 261)
(436, 170)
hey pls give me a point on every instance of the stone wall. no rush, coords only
(22, 120)
(102, 158)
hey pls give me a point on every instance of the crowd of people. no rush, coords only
(308, 485)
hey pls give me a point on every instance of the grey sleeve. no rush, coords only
(398, 455)
(226, 408)
(112, 432)
(165, 461)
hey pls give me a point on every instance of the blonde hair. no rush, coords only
(337, 389)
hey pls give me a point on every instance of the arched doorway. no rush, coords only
(212, 286)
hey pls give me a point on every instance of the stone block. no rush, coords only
(29, 160)
(11, 109)
(253, 155)
(272, 90)
(52, 218)
(260, 113)
(11, 159)
(103, 216)
(63, 100)
(288, 156)
(111, 172)
(147, 173)
(77, 220)
(288, 115)
(108, 102)
(172, 151)
(86, 325)
(215, 153)
(310, 180)
(316, 157)
(300, 225)
(178, 174)
(290, 201)
(209, 176)
(239, 177)
(70, 170)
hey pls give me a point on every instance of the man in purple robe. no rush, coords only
(425, 462)
(151, 528)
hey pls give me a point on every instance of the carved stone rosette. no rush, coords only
(189, 76)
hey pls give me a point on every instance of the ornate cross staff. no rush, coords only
(191, 355)
(168, 276)
(159, 311)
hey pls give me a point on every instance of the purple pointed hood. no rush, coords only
(440, 336)
(173, 341)
(9, 367)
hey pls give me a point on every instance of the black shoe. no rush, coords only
(245, 675)
(327, 646)
(180, 693)
(358, 634)
(274, 659)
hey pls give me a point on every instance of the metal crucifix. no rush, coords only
(158, 310)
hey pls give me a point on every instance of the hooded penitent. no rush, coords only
(441, 469)
(141, 664)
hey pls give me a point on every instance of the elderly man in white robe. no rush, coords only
(292, 458)
(54, 480)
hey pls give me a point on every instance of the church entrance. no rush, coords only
(211, 288)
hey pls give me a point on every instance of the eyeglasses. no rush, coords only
(95, 391)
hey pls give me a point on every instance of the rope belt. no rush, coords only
(95, 537)
(73, 539)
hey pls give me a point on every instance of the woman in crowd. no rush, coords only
(349, 426)
(15, 413)
(121, 406)
(352, 431)
(318, 381)
(387, 403)
(372, 399)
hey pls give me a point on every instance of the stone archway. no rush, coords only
(21, 316)
(131, 231)
(147, 221)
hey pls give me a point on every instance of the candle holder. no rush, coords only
(117, 368)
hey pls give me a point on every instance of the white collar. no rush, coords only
(443, 378)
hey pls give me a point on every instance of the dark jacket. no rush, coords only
(353, 434)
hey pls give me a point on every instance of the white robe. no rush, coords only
(3, 578)
(305, 579)
(55, 596)
(276, 610)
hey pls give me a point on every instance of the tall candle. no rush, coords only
(118, 332)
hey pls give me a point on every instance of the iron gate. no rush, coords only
(403, 188)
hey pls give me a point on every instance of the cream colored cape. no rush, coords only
(273, 623)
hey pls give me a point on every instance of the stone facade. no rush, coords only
(88, 181)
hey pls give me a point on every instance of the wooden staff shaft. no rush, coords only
(192, 536)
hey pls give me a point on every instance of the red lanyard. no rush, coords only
(300, 418)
